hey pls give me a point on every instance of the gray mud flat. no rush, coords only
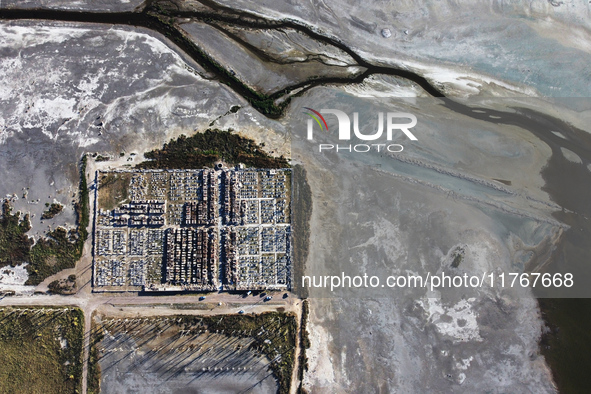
(393, 214)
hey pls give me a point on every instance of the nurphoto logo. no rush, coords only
(393, 124)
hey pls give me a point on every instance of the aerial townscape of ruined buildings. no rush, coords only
(192, 230)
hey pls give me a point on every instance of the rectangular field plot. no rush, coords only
(41, 350)
(184, 354)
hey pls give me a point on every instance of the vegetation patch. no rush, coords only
(301, 213)
(457, 257)
(63, 286)
(15, 244)
(205, 149)
(41, 350)
(59, 250)
(53, 210)
(93, 385)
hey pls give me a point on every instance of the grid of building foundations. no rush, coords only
(192, 230)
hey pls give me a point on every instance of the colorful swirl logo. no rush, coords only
(316, 115)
